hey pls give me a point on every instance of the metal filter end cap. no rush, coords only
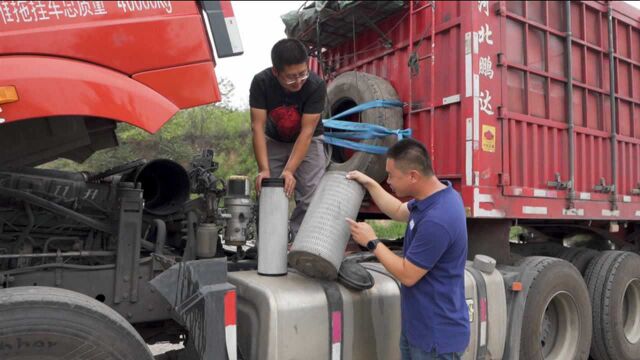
(312, 265)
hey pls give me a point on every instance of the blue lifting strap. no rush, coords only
(362, 131)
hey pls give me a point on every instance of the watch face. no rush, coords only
(371, 245)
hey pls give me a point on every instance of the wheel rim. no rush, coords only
(558, 335)
(631, 311)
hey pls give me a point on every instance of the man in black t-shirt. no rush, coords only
(286, 103)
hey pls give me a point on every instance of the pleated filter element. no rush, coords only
(272, 228)
(318, 249)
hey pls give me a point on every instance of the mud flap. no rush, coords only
(203, 302)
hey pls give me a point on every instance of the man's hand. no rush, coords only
(261, 175)
(361, 232)
(289, 183)
(360, 177)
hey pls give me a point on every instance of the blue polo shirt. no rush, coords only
(434, 311)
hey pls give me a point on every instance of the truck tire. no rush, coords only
(613, 280)
(50, 323)
(353, 88)
(579, 257)
(556, 322)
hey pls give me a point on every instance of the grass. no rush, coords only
(515, 232)
(388, 229)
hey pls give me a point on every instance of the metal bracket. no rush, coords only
(502, 113)
(504, 179)
(501, 60)
(128, 253)
(58, 270)
(559, 184)
(189, 229)
(603, 187)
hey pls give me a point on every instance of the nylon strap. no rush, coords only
(362, 131)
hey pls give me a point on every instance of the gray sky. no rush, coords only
(260, 27)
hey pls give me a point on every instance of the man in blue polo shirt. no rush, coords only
(435, 317)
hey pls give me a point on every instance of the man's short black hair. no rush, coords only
(410, 154)
(288, 52)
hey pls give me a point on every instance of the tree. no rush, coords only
(227, 91)
(218, 127)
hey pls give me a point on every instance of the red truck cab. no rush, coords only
(71, 69)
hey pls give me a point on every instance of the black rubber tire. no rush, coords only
(632, 242)
(355, 88)
(555, 282)
(579, 257)
(628, 247)
(607, 278)
(49, 323)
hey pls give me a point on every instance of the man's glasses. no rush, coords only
(294, 78)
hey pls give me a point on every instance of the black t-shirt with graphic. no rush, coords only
(285, 109)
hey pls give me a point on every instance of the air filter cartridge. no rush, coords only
(273, 228)
(318, 249)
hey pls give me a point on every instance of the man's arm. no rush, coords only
(388, 204)
(299, 151)
(401, 268)
(258, 123)
(310, 116)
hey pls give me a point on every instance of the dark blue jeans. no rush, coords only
(413, 353)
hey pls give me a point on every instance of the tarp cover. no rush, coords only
(337, 20)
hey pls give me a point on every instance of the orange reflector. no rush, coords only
(516, 286)
(8, 94)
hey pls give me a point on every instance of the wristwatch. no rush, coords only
(371, 245)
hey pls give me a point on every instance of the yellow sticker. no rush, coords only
(488, 138)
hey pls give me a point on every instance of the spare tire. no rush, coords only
(613, 280)
(354, 88)
(49, 324)
(556, 323)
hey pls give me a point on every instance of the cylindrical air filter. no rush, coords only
(239, 205)
(272, 228)
(207, 240)
(319, 247)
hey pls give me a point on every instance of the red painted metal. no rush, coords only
(201, 79)
(493, 106)
(153, 38)
(50, 87)
(417, 9)
(131, 61)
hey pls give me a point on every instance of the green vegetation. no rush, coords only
(220, 127)
(227, 131)
(388, 229)
(515, 232)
